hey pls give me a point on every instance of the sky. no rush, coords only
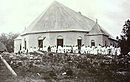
(16, 15)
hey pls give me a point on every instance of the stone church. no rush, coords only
(59, 25)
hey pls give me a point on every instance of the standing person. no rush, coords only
(99, 49)
(103, 50)
(91, 49)
(45, 48)
(52, 49)
(106, 50)
(49, 49)
(88, 50)
(83, 49)
(74, 49)
(109, 50)
(64, 48)
(26, 51)
(95, 51)
(59, 49)
(118, 51)
(71, 49)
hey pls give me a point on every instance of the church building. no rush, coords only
(61, 26)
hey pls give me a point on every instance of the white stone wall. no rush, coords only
(97, 38)
(17, 44)
(32, 40)
(105, 38)
(70, 38)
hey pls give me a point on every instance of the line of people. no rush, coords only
(104, 50)
(86, 49)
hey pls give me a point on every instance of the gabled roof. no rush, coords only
(60, 18)
(98, 30)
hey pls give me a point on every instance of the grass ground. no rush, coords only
(72, 68)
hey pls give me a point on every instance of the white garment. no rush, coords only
(44, 48)
(111, 48)
(83, 49)
(118, 51)
(103, 50)
(112, 51)
(106, 50)
(31, 50)
(91, 50)
(95, 51)
(75, 49)
(60, 49)
(53, 49)
(88, 50)
(68, 49)
(99, 49)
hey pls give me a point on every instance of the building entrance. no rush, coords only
(60, 42)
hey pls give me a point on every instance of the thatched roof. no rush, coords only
(97, 29)
(60, 18)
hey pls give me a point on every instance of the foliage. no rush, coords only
(125, 38)
(75, 68)
(8, 40)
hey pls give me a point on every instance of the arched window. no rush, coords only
(40, 41)
(79, 42)
(92, 43)
(60, 41)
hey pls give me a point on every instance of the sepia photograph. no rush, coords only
(64, 40)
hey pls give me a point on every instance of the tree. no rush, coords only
(8, 40)
(125, 38)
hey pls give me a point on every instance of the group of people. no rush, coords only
(104, 50)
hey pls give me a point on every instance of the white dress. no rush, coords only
(95, 51)
(82, 49)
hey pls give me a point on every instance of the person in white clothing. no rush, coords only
(31, 50)
(59, 49)
(91, 50)
(118, 51)
(95, 51)
(88, 50)
(53, 49)
(111, 48)
(103, 50)
(99, 49)
(106, 50)
(74, 49)
(64, 48)
(83, 49)
(44, 48)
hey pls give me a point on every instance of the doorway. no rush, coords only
(79, 43)
(59, 42)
